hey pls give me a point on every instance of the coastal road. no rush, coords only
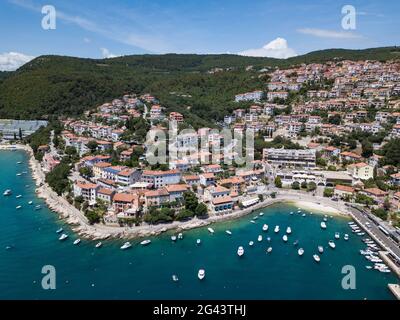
(386, 242)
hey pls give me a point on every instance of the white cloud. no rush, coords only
(87, 40)
(322, 33)
(107, 54)
(10, 61)
(277, 48)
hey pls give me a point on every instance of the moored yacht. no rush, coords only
(251, 243)
(173, 238)
(126, 245)
(276, 229)
(303, 215)
(63, 237)
(346, 237)
(228, 232)
(198, 241)
(300, 251)
(18, 207)
(7, 192)
(261, 214)
(180, 236)
(18, 196)
(240, 251)
(201, 274)
(332, 244)
(259, 239)
(288, 230)
(211, 230)
(252, 221)
(285, 238)
(296, 243)
(269, 249)
(77, 241)
(323, 225)
(98, 244)
(316, 258)
(320, 249)
(337, 235)
(145, 242)
(30, 202)
(265, 227)
(175, 278)
(59, 230)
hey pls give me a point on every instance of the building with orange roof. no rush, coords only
(86, 190)
(160, 179)
(377, 194)
(342, 191)
(125, 201)
(105, 194)
(176, 191)
(361, 171)
(155, 198)
(221, 205)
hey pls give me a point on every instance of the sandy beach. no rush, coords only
(79, 223)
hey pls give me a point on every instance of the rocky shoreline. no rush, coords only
(79, 224)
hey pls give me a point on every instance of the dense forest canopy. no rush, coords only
(56, 85)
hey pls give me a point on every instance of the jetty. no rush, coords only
(395, 289)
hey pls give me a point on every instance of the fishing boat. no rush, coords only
(300, 251)
(331, 244)
(251, 243)
(30, 202)
(285, 238)
(276, 229)
(59, 230)
(201, 274)
(7, 192)
(316, 258)
(240, 251)
(63, 237)
(18, 207)
(211, 230)
(228, 232)
(98, 244)
(288, 230)
(259, 239)
(126, 245)
(269, 249)
(198, 241)
(296, 243)
(337, 235)
(18, 196)
(180, 236)
(77, 241)
(320, 249)
(265, 227)
(323, 225)
(145, 242)
(346, 237)
(173, 238)
(175, 278)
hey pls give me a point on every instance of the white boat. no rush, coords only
(316, 258)
(276, 229)
(320, 249)
(98, 244)
(175, 278)
(265, 227)
(251, 243)
(368, 267)
(38, 207)
(173, 238)
(63, 237)
(323, 225)
(296, 242)
(300, 251)
(288, 230)
(269, 250)
(228, 232)
(211, 230)
(291, 213)
(145, 242)
(19, 174)
(240, 251)
(325, 219)
(252, 221)
(77, 241)
(268, 239)
(18, 196)
(201, 274)
(198, 241)
(337, 235)
(59, 230)
(285, 238)
(7, 192)
(255, 218)
(259, 239)
(30, 202)
(18, 207)
(331, 244)
(261, 214)
(346, 237)
(303, 215)
(180, 236)
(19, 162)
(361, 233)
(126, 245)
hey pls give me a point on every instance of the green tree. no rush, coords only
(201, 210)
(328, 192)
(312, 186)
(296, 185)
(278, 182)
(92, 145)
(190, 200)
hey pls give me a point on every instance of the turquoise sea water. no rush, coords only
(84, 272)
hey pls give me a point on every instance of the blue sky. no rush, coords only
(120, 27)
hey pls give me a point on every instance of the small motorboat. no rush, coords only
(201, 274)
(180, 236)
(323, 225)
(126, 245)
(261, 214)
(19, 162)
(288, 230)
(276, 230)
(303, 215)
(145, 242)
(251, 243)
(252, 221)
(228, 232)
(59, 230)
(316, 258)
(8, 192)
(77, 241)
(18, 196)
(259, 239)
(368, 267)
(269, 250)
(175, 278)
(210, 230)
(173, 238)
(198, 241)
(19, 174)
(285, 238)
(346, 237)
(332, 244)
(265, 228)
(63, 237)
(291, 213)
(30, 202)
(240, 251)
(320, 249)
(337, 235)
(268, 239)
(98, 244)
(38, 207)
(18, 207)
(296, 243)
(300, 251)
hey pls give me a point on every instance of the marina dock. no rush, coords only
(389, 262)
